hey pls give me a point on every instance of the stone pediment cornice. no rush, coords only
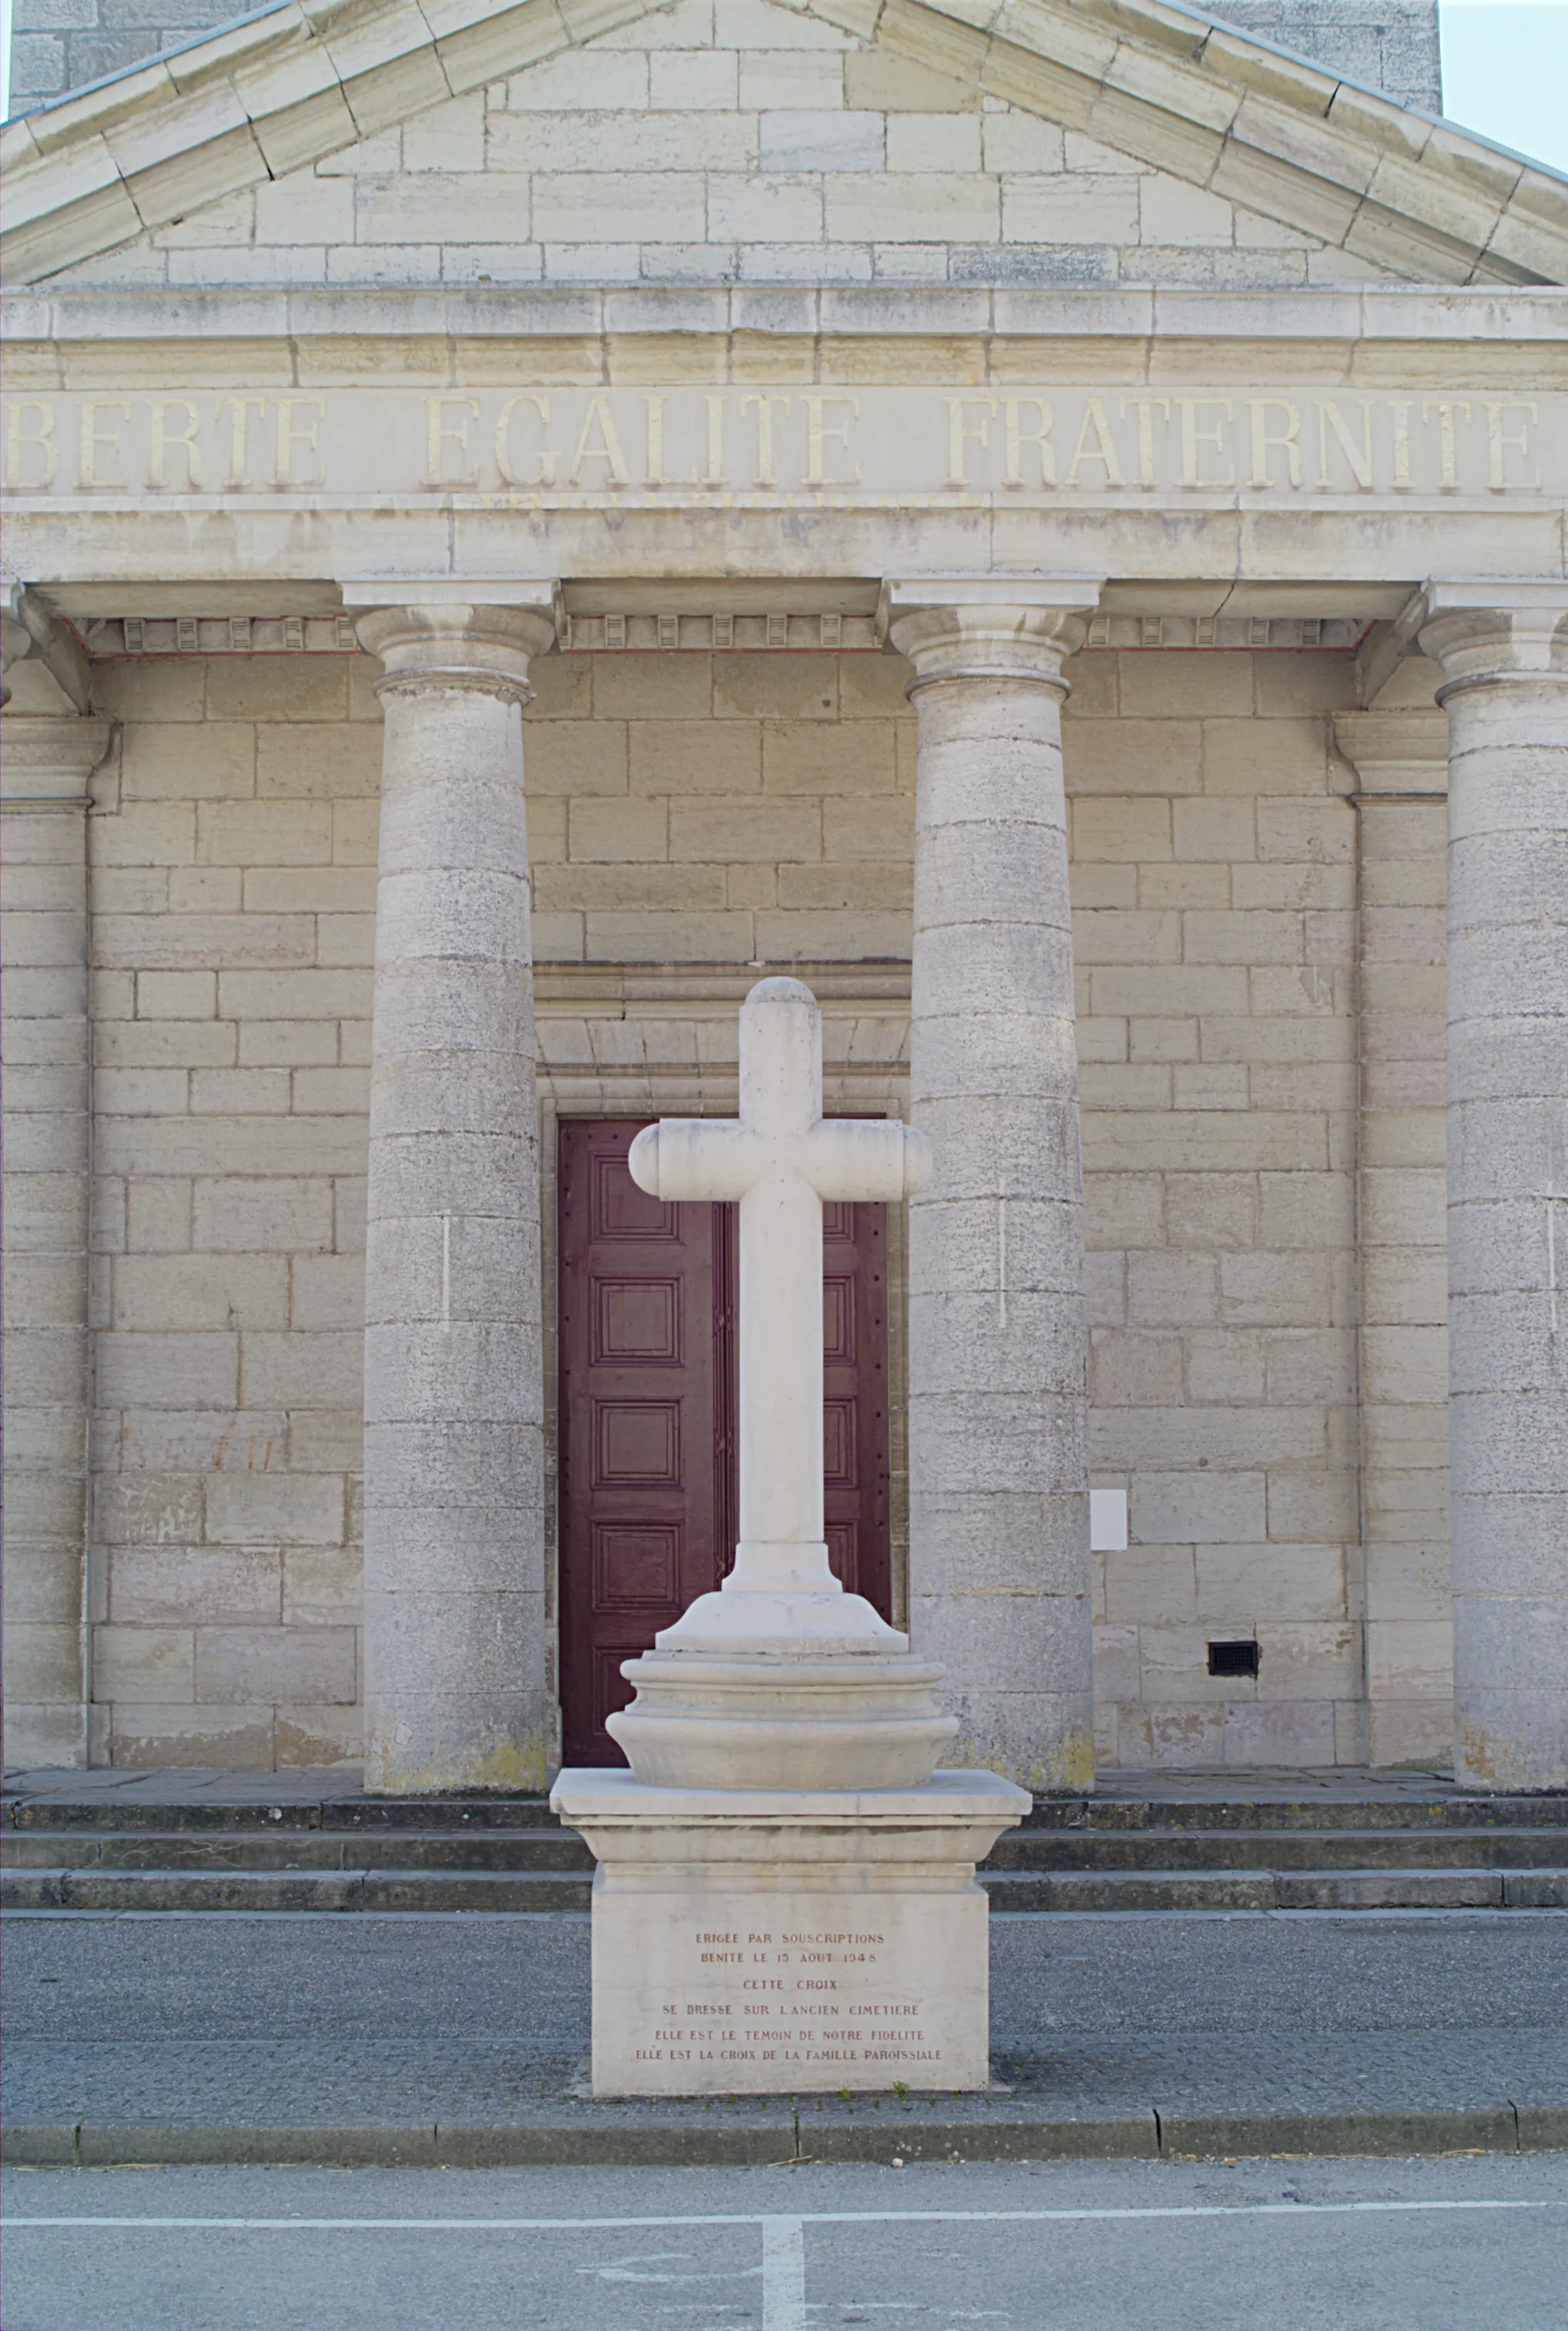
(1210, 105)
(1377, 335)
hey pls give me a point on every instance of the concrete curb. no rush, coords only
(659, 2138)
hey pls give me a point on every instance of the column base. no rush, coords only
(761, 1942)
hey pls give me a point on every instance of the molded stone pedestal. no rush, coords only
(763, 1941)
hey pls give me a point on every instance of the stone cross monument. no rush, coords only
(780, 1159)
(786, 1898)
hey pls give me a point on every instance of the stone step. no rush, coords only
(1028, 1849)
(1107, 1814)
(1424, 1816)
(351, 1816)
(381, 1889)
(541, 1848)
(281, 1889)
(531, 1850)
(1294, 1889)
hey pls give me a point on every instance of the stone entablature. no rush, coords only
(1449, 406)
(827, 448)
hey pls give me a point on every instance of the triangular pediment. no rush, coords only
(1225, 139)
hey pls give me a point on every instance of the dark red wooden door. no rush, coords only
(647, 1415)
(855, 1399)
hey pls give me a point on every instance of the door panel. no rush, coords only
(647, 1415)
(855, 1399)
(644, 1456)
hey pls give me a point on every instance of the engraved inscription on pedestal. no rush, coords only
(757, 1993)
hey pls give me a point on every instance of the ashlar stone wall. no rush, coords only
(721, 812)
(63, 44)
(232, 887)
(734, 141)
(1214, 935)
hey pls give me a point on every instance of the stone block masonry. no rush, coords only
(62, 44)
(716, 812)
(1386, 44)
(1214, 874)
(707, 145)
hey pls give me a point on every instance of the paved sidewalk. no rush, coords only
(395, 2038)
(307, 1784)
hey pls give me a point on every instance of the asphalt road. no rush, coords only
(1321, 2246)
(310, 2018)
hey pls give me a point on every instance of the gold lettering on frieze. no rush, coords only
(1194, 438)
(99, 437)
(1447, 440)
(239, 409)
(165, 441)
(1284, 439)
(1103, 449)
(656, 403)
(1017, 437)
(875, 447)
(764, 474)
(715, 401)
(23, 440)
(1501, 442)
(301, 436)
(607, 450)
(1146, 407)
(546, 456)
(451, 418)
(1399, 413)
(1332, 422)
(961, 433)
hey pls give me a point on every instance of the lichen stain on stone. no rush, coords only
(1072, 1765)
(1069, 1771)
(1485, 1759)
(511, 1767)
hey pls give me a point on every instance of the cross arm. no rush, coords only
(696, 1158)
(868, 1158)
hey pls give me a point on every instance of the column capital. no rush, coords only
(46, 761)
(988, 626)
(1486, 631)
(450, 633)
(32, 632)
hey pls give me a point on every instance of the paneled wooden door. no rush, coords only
(647, 1415)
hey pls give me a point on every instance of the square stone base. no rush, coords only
(761, 1942)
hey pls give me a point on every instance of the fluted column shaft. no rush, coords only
(998, 1374)
(455, 1585)
(1504, 650)
(48, 1153)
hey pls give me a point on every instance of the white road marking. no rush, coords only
(807, 2218)
(784, 2274)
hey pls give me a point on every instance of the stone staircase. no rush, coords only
(1146, 1841)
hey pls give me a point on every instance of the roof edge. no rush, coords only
(1388, 315)
(288, 85)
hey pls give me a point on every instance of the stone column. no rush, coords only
(45, 767)
(1504, 652)
(999, 1560)
(454, 1584)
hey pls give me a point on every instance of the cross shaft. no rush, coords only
(779, 1160)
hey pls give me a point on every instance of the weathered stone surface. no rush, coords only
(998, 1372)
(48, 763)
(455, 1651)
(1506, 691)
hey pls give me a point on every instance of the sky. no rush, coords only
(1505, 73)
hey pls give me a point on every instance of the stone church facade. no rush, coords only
(1047, 521)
